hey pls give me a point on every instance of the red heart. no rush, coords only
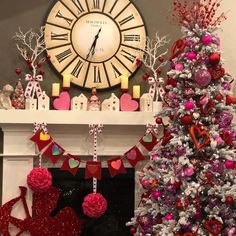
(92, 169)
(213, 226)
(116, 164)
(63, 102)
(131, 155)
(127, 104)
(207, 108)
(196, 134)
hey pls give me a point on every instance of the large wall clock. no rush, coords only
(95, 41)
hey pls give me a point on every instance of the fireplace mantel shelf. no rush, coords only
(75, 117)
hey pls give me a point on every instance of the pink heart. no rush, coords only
(63, 102)
(127, 104)
(131, 155)
(116, 164)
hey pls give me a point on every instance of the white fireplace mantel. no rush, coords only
(121, 131)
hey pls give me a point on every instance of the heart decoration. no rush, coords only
(92, 169)
(116, 164)
(56, 150)
(213, 226)
(44, 137)
(63, 102)
(131, 155)
(207, 108)
(200, 137)
(127, 104)
(73, 163)
(147, 139)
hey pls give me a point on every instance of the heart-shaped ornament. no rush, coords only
(213, 226)
(63, 102)
(73, 163)
(116, 164)
(56, 150)
(131, 155)
(200, 137)
(127, 104)
(208, 107)
(147, 139)
(44, 137)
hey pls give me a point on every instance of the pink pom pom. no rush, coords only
(179, 67)
(191, 56)
(94, 205)
(189, 105)
(229, 164)
(207, 39)
(39, 179)
(169, 217)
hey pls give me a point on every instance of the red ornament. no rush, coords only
(209, 176)
(200, 137)
(94, 205)
(48, 57)
(225, 135)
(229, 200)
(159, 120)
(159, 220)
(217, 72)
(133, 230)
(146, 76)
(214, 58)
(138, 63)
(230, 100)
(219, 97)
(172, 82)
(213, 226)
(179, 205)
(158, 71)
(177, 185)
(18, 71)
(188, 234)
(161, 59)
(207, 108)
(29, 62)
(186, 120)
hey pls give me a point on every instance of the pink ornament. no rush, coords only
(189, 171)
(229, 164)
(204, 100)
(218, 140)
(39, 179)
(169, 217)
(145, 183)
(63, 102)
(94, 205)
(191, 55)
(189, 105)
(156, 194)
(202, 77)
(179, 67)
(207, 39)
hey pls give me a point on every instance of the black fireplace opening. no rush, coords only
(118, 191)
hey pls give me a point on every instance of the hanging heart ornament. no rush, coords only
(214, 227)
(200, 137)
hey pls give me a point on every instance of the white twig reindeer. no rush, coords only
(31, 46)
(154, 60)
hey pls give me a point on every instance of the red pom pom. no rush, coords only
(158, 71)
(133, 230)
(146, 76)
(39, 179)
(159, 220)
(214, 58)
(18, 71)
(94, 205)
(179, 205)
(161, 59)
(219, 97)
(159, 120)
(186, 120)
(229, 200)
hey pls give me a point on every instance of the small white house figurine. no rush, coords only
(5, 100)
(43, 102)
(94, 102)
(79, 103)
(146, 103)
(30, 103)
(111, 104)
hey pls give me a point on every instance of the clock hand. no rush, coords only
(92, 48)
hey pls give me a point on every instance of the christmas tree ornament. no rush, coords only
(213, 226)
(230, 100)
(39, 179)
(224, 119)
(177, 48)
(214, 58)
(156, 195)
(202, 77)
(179, 67)
(229, 200)
(189, 105)
(217, 72)
(186, 120)
(229, 164)
(133, 230)
(208, 107)
(219, 97)
(191, 55)
(207, 39)
(169, 217)
(18, 99)
(18, 71)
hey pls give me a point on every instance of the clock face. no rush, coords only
(95, 41)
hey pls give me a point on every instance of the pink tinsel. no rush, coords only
(39, 179)
(94, 205)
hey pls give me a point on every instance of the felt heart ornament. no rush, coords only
(213, 226)
(56, 150)
(127, 104)
(200, 137)
(131, 155)
(63, 102)
(73, 163)
(116, 164)
(147, 139)
(44, 137)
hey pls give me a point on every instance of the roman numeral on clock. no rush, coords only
(77, 69)
(55, 36)
(128, 55)
(78, 5)
(117, 73)
(97, 75)
(132, 37)
(113, 6)
(127, 19)
(96, 4)
(68, 20)
(62, 56)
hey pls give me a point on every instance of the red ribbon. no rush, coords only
(177, 48)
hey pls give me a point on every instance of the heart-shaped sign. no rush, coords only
(131, 155)
(92, 169)
(116, 164)
(147, 139)
(56, 150)
(44, 137)
(73, 163)
(213, 226)
(63, 102)
(127, 104)
(200, 137)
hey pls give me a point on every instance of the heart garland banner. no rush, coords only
(48, 148)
